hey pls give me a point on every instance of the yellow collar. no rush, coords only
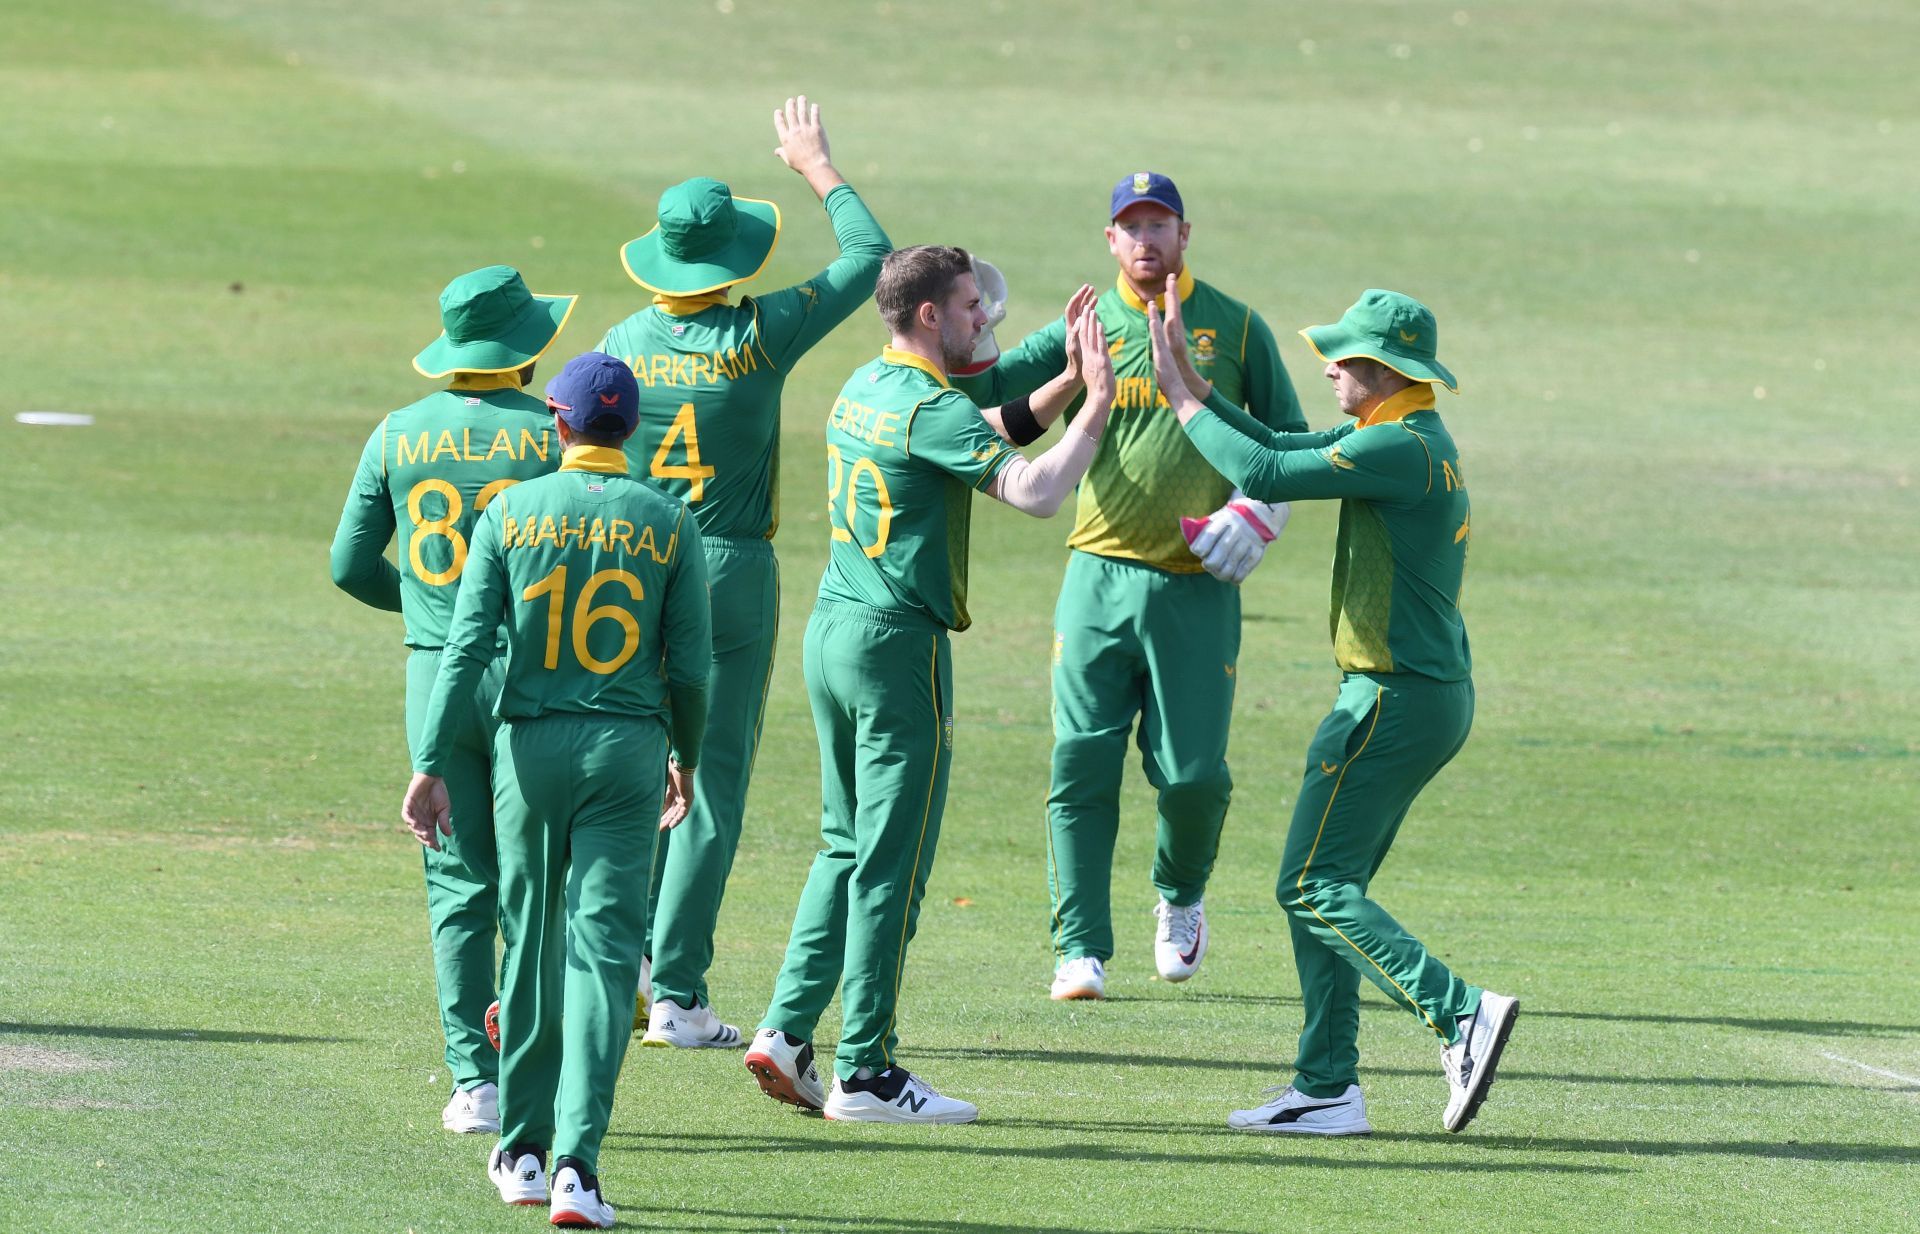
(1132, 299)
(1400, 405)
(595, 458)
(893, 355)
(488, 381)
(687, 306)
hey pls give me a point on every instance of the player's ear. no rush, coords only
(927, 315)
(1186, 229)
(1113, 239)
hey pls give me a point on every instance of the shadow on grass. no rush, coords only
(1254, 1069)
(124, 1032)
(1773, 1150)
(797, 1223)
(967, 1144)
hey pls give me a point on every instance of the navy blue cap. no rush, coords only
(597, 394)
(1145, 186)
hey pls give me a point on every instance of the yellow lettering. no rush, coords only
(502, 441)
(741, 361)
(701, 367)
(621, 533)
(547, 532)
(538, 446)
(883, 428)
(1452, 477)
(646, 542)
(414, 452)
(679, 372)
(658, 368)
(444, 445)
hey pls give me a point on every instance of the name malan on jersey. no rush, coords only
(692, 369)
(601, 533)
(425, 447)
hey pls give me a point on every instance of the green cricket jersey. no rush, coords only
(905, 452)
(601, 585)
(430, 469)
(711, 374)
(1405, 523)
(1146, 475)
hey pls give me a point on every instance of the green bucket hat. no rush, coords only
(706, 239)
(493, 324)
(1396, 330)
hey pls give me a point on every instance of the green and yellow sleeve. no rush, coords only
(1385, 463)
(359, 555)
(794, 319)
(686, 629)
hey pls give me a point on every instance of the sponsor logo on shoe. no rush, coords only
(1294, 1114)
(908, 1100)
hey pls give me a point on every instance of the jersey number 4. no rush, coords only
(446, 526)
(586, 616)
(687, 433)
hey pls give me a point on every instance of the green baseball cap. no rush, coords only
(1396, 330)
(706, 239)
(492, 324)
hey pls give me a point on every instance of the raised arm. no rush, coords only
(359, 557)
(1026, 419)
(794, 319)
(1039, 487)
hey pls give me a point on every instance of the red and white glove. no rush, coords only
(1231, 541)
(993, 302)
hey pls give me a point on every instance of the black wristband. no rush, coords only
(1017, 418)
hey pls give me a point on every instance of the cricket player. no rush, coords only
(599, 584)
(711, 375)
(905, 453)
(1405, 701)
(1147, 628)
(429, 470)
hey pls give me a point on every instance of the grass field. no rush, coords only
(1664, 244)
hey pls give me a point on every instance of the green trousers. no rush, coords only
(1388, 735)
(881, 685)
(691, 862)
(576, 807)
(1131, 644)
(463, 878)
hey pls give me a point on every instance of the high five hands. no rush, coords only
(1180, 384)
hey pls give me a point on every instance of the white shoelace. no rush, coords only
(1189, 924)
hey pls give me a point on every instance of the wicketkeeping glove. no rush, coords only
(993, 301)
(1231, 541)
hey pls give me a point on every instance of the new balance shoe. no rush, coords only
(785, 1070)
(577, 1202)
(1180, 942)
(895, 1095)
(1081, 977)
(689, 1028)
(492, 1022)
(1295, 1113)
(475, 1109)
(519, 1174)
(1471, 1061)
(644, 1002)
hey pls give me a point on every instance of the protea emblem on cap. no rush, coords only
(1141, 180)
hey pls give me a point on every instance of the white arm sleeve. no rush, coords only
(1038, 487)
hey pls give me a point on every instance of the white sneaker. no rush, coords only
(1181, 941)
(689, 1028)
(786, 1072)
(476, 1109)
(1295, 1113)
(1081, 977)
(1470, 1062)
(644, 1002)
(521, 1180)
(576, 1204)
(896, 1096)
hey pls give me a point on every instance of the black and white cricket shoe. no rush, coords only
(521, 1177)
(688, 1028)
(577, 1202)
(785, 1070)
(1180, 939)
(895, 1095)
(1295, 1113)
(1471, 1061)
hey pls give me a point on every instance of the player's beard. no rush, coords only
(956, 347)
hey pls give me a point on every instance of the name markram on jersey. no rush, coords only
(601, 533)
(692, 368)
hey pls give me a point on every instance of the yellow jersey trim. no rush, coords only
(1399, 405)
(572, 302)
(610, 460)
(687, 306)
(487, 381)
(1132, 300)
(893, 355)
(701, 291)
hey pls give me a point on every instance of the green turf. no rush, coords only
(1665, 244)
